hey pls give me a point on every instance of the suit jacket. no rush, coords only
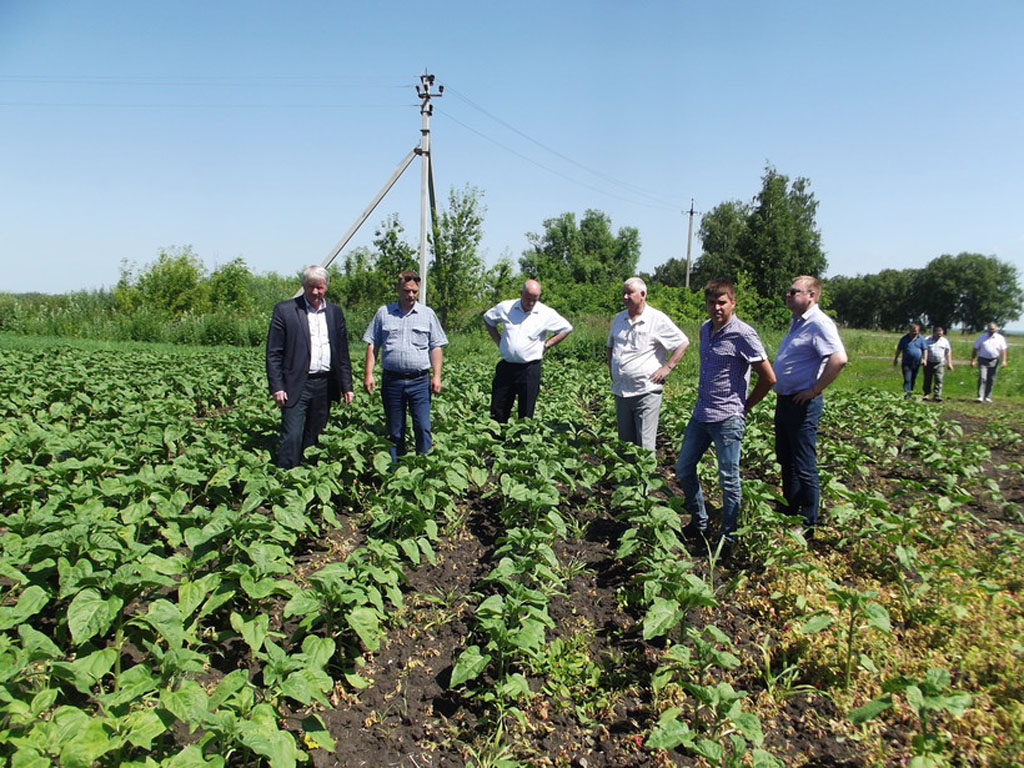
(288, 350)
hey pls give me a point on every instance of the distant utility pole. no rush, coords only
(689, 243)
(428, 205)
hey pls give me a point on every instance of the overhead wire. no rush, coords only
(553, 171)
(657, 197)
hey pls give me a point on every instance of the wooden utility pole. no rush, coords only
(689, 243)
(426, 175)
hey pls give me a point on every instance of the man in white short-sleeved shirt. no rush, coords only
(644, 345)
(524, 338)
(987, 350)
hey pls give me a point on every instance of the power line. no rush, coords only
(550, 170)
(658, 197)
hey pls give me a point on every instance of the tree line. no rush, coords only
(581, 262)
(967, 290)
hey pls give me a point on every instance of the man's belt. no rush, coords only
(402, 375)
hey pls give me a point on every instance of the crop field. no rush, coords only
(520, 597)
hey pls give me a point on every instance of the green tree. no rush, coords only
(772, 239)
(970, 289)
(230, 286)
(672, 273)
(175, 284)
(721, 230)
(456, 274)
(781, 238)
(888, 299)
(587, 253)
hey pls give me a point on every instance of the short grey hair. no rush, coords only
(635, 282)
(315, 272)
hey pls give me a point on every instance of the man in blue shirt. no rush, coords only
(729, 350)
(913, 346)
(409, 339)
(811, 356)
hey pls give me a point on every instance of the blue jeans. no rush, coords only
(796, 438)
(910, 375)
(726, 436)
(399, 396)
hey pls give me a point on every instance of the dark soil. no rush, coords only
(408, 717)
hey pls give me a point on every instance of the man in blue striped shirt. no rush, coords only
(409, 340)
(729, 350)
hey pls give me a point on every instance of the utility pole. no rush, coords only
(426, 176)
(689, 243)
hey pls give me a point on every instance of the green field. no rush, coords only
(520, 596)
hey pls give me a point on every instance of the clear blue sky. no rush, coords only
(262, 129)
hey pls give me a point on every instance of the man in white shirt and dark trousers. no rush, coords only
(522, 342)
(643, 348)
(308, 365)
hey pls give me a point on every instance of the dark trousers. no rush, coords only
(796, 438)
(910, 375)
(302, 423)
(512, 380)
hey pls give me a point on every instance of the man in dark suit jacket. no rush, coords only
(308, 365)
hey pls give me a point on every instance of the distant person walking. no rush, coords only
(913, 347)
(409, 340)
(989, 347)
(643, 348)
(523, 340)
(811, 355)
(729, 350)
(938, 359)
(308, 365)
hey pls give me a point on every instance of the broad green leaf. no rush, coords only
(750, 726)
(712, 750)
(188, 703)
(670, 732)
(91, 740)
(165, 618)
(315, 735)
(877, 617)
(762, 759)
(816, 623)
(38, 645)
(870, 710)
(142, 726)
(30, 602)
(90, 615)
(382, 462)
(133, 683)
(253, 631)
(192, 593)
(262, 735)
(662, 617)
(364, 622)
(470, 664)
(192, 757)
(85, 672)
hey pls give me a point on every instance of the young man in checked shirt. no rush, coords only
(729, 350)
